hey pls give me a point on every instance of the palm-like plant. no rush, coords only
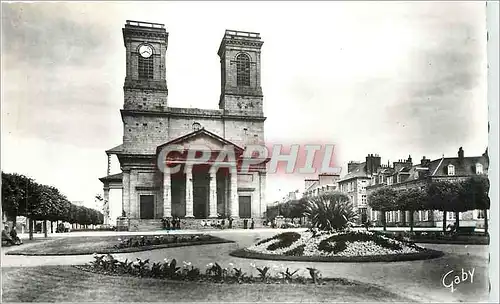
(330, 212)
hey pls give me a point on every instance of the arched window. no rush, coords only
(146, 67)
(242, 70)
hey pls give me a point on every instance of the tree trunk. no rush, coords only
(412, 220)
(444, 221)
(30, 224)
(485, 221)
(384, 221)
(457, 220)
(51, 227)
(45, 227)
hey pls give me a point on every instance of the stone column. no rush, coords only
(262, 203)
(126, 193)
(235, 208)
(106, 206)
(167, 197)
(189, 191)
(212, 211)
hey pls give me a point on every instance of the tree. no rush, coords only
(333, 212)
(383, 200)
(445, 196)
(474, 195)
(413, 199)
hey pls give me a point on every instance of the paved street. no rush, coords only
(420, 280)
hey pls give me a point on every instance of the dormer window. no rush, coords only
(451, 169)
(479, 169)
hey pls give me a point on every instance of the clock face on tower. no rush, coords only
(145, 51)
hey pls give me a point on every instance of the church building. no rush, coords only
(197, 191)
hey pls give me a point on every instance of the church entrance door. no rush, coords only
(201, 185)
(147, 206)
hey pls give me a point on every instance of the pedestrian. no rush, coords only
(6, 237)
(178, 222)
(230, 222)
(252, 225)
(168, 224)
(15, 237)
(203, 224)
(164, 223)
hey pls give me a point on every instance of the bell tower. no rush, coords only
(145, 87)
(241, 92)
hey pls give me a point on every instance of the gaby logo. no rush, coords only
(451, 281)
(279, 158)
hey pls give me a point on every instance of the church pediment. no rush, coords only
(201, 140)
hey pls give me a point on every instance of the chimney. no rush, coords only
(460, 154)
(409, 160)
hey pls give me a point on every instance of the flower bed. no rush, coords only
(346, 246)
(214, 272)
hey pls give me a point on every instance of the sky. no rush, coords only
(388, 78)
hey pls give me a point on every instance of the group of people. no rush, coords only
(174, 223)
(11, 238)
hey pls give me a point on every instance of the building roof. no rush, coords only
(358, 171)
(464, 166)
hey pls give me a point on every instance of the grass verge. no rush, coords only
(99, 244)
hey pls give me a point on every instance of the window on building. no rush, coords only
(146, 67)
(374, 215)
(423, 215)
(479, 169)
(363, 199)
(451, 170)
(450, 216)
(243, 70)
(389, 180)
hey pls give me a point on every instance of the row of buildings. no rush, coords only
(362, 178)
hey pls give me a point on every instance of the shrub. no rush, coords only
(263, 273)
(330, 212)
(285, 240)
(288, 275)
(314, 273)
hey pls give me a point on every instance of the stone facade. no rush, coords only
(149, 124)
(405, 175)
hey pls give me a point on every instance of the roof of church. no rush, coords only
(116, 149)
(112, 177)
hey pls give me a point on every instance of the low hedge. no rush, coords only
(422, 255)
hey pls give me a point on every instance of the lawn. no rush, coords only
(104, 244)
(68, 284)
